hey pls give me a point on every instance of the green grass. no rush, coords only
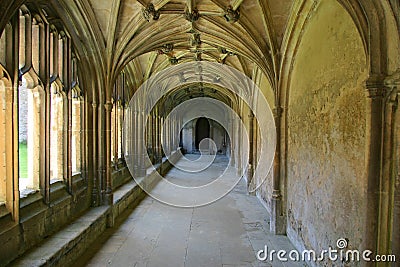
(23, 160)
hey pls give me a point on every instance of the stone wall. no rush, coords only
(326, 185)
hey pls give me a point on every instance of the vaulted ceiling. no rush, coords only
(257, 37)
(151, 35)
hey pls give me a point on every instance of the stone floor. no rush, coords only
(228, 232)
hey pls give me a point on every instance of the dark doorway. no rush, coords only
(202, 130)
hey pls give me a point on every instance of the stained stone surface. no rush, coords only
(228, 232)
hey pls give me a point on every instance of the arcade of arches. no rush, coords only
(329, 70)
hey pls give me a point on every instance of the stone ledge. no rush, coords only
(53, 250)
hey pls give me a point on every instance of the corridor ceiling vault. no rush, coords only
(141, 37)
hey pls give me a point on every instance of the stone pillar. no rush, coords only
(141, 144)
(135, 143)
(109, 193)
(391, 169)
(96, 184)
(277, 223)
(232, 142)
(250, 170)
(238, 148)
(376, 93)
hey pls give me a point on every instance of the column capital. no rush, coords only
(393, 80)
(277, 112)
(276, 194)
(375, 85)
(108, 106)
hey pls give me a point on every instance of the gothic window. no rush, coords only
(117, 119)
(30, 107)
(56, 132)
(41, 110)
(76, 122)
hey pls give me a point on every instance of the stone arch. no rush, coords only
(325, 115)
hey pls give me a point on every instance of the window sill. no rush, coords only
(24, 193)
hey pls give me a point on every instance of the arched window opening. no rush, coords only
(3, 120)
(113, 148)
(56, 133)
(35, 44)
(29, 142)
(76, 139)
(3, 47)
(117, 120)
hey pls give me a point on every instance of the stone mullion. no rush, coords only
(12, 59)
(44, 74)
(67, 134)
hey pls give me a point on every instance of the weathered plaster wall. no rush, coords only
(326, 133)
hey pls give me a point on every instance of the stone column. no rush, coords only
(109, 193)
(250, 170)
(277, 224)
(232, 142)
(141, 144)
(376, 92)
(391, 169)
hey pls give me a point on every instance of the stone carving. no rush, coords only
(197, 55)
(195, 39)
(173, 60)
(192, 16)
(231, 15)
(150, 13)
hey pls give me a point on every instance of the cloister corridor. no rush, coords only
(228, 232)
(200, 133)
